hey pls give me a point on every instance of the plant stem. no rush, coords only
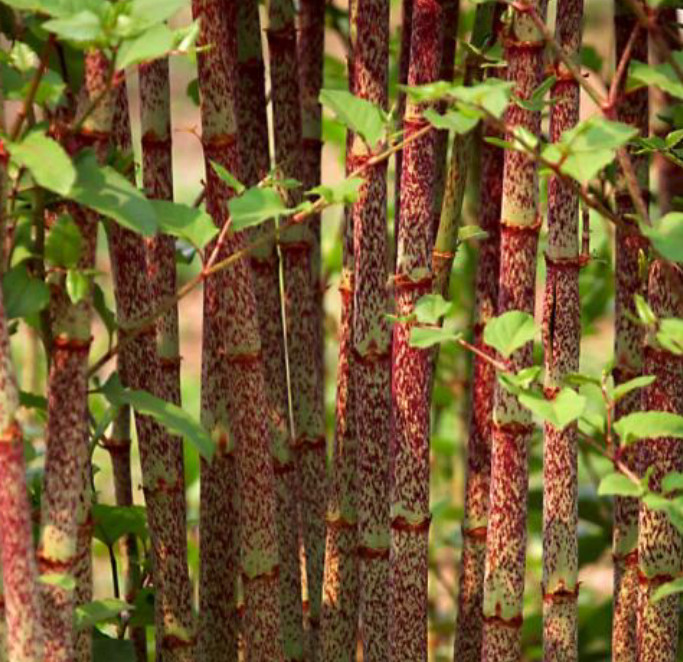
(238, 523)
(160, 453)
(265, 265)
(301, 302)
(22, 636)
(562, 339)
(371, 367)
(660, 544)
(411, 376)
(469, 628)
(520, 225)
(340, 609)
(628, 342)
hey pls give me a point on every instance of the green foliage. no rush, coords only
(451, 120)
(23, 294)
(667, 236)
(560, 411)
(509, 331)
(255, 206)
(111, 523)
(660, 75)
(670, 588)
(111, 194)
(648, 425)
(99, 611)
(173, 418)
(431, 308)
(616, 484)
(423, 337)
(191, 224)
(582, 152)
(359, 115)
(622, 390)
(64, 243)
(343, 193)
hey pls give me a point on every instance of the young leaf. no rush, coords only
(78, 285)
(154, 43)
(646, 314)
(255, 206)
(173, 418)
(649, 425)
(565, 408)
(113, 522)
(189, 223)
(667, 236)
(670, 588)
(672, 482)
(99, 611)
(111, 194)
(670, 335)
(23, 295)
(82, 27)
(661, 75)
(357, 114)
(46, 160)
(64, 243)
(509, 331)
(428, 336)
(620, 391)
(431, 308)
(343, 193)
(619, 485)
(451, 120)
(229, 178)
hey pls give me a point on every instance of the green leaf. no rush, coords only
(431, 308)
(255, 206)
(649, 425)
(81, 27)
(670, 588)
(509, 331)
(620, 391)
(78, 285)
(667, 236)
(428, 336)
(109, 649)
(59, 579)
(493, 95)
(229, 178)
(583, 151)
(173, 418)
(185, 222)
(672, 482)
(343, 193)
(112, 195)
(46, 160)
(64, 243)
(154, 43)
(645, 313)
(113, 522)
(619, 485)
(32, 401)
(565, 408)
(359, 115)
(471, 232)
(23, 295)
(670, 335)
(156, 11)
(661, 75)
(99, 611)
(452, 120)
(522, 381)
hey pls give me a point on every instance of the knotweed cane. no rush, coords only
(512, 428)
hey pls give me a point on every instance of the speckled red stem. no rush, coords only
(234, 395)
(512, 428)
(311, 53)
(265, 264)
(371, 368)
(562, 339)
(451, 18)
(660, 544)
(411, 377)
(160, 453)
(632, 108)
(19, 574)
(403, 64)
(301, 303)
(469, 631)
(119, 446)
(66, 521)
(340, 608)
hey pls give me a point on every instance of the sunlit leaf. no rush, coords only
(616, 484)
(46, 160)
(509, 331)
